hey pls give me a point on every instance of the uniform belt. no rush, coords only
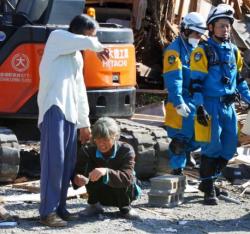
(228, 99)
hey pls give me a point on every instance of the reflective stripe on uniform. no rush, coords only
(199, 60)
(171, 61)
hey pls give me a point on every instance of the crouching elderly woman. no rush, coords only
(106, 168)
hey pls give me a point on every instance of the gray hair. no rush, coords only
(106, 127)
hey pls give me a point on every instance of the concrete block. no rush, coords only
(170, 183)
(167, 200)
(167, 190)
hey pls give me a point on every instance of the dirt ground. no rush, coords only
(192, 217)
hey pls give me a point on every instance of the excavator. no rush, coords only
(24, 28)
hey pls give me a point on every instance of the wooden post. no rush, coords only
(238, 9)
(247, 3)
(180, 12)
(193, 5)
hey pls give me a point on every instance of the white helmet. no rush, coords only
(221, 11)
(194, 21)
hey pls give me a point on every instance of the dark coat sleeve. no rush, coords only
(83, 163)
(124, 176)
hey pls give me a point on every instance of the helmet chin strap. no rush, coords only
(222, 39)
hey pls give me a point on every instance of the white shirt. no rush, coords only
(61, 76)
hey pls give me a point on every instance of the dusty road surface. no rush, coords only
(189, 218)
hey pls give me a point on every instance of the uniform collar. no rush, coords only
(185, 41)
(226, 45)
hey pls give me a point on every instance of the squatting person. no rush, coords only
(109, 166)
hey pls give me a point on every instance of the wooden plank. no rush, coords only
(31, 186)
(109, 1)
(152, 91)
(153, 118)
(173, 28)
(35, 197)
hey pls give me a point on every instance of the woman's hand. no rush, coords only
(85, 135)
(103, 55)
(97, 173)
(80, 180)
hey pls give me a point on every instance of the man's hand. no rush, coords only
(80, 180)
(183, 110)
(97, 173)
(202, 116)
(85, 135)
(103, 55)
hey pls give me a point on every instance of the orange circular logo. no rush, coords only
(20, 62)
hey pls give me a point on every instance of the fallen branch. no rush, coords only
(230, 199)
(152, 211)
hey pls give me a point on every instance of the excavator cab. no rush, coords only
(24, 29)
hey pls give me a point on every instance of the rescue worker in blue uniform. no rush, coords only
(180, 111)
(216, 85)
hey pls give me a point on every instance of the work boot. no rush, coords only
(208, 168)
(218, 191)
(210, 198)
(207, 186)
(177, 171)
(93, 209)
(53, 220)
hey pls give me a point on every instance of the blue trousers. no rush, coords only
(186, 133)
(224, 137)
(57, 158)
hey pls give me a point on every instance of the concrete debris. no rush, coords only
(167, 190)
(6, 218)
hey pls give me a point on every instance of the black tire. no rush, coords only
(150, 144)
(9, 155)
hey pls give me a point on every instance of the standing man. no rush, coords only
(216, 86)
(180, 110)
(63, 107)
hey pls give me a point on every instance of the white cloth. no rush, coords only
(183, 110)
(61, 76)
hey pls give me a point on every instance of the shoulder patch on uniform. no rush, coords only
(197, 56)
(171, 59)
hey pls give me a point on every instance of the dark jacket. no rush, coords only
(120, 164)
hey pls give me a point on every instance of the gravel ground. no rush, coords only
(191, 217)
